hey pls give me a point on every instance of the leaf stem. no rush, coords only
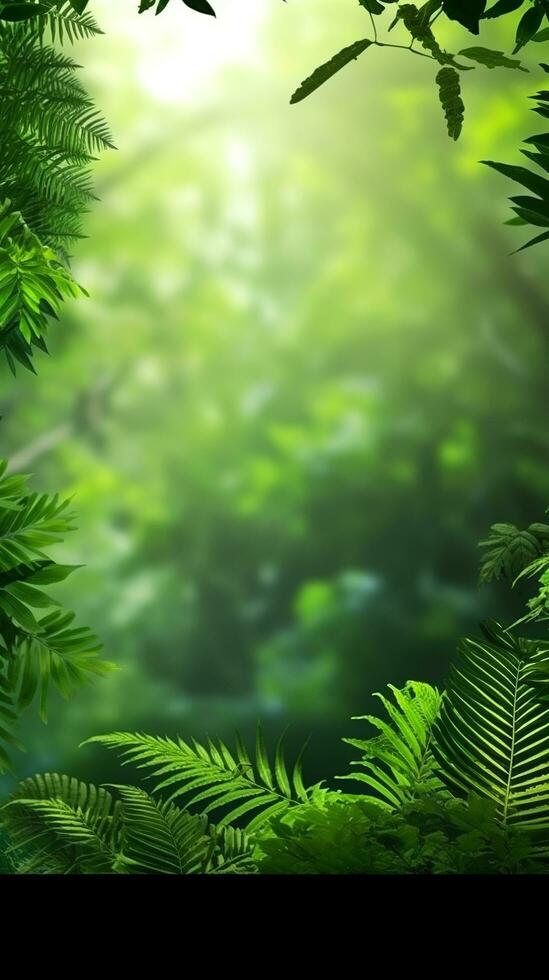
(403, 47)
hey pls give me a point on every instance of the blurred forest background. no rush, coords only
(308, 378)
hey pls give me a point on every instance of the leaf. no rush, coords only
(502, 7)
(528, 26)
(328, 70)
(417, 24)
(21, 11)
(372, 6)
(36, 651)
(492, 735)
(210, 775)
(79, 5)
(509, 551)
(466, 12)
(451, 101)
(201, 6)
(161, 838)
(544, 237)
(526, 178)
(398, 764)
(59, 825)
(491, 59)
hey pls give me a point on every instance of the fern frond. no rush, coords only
(161, 838)
(231, 852)
(492, 735)
(398, 764)
(39, 645)
(236, 784)
(33, 286)
(48, 125)
(533, 208)
(510, 551)
(50, 131)
(61, 22)
(59, 825)
(51, 651)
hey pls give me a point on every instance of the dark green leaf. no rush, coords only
(326, 71)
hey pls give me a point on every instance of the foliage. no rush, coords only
(36, 652)
(532, 210)
(201, 6)
(59, 825)
(516, 556)
(399, 762)
(33, 285)
(486, 740)
(492, 736)
(223, 778)
(353, 836)
(510, 551)
(50, 131)
(325, 455)
(538, 605)
(419, 22)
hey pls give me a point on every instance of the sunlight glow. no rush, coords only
(178, 60)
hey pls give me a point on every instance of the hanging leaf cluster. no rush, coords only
(420, 24)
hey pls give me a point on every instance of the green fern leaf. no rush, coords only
(398, 764)
(492, 735)
(510, 551)
(39, 645)
(240, 788)
(59, 825)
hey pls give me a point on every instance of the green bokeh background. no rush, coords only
(307, 380)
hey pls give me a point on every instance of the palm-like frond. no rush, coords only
(234, 784)
(161, 838)
(33, 286)
(39, 645)
(8, 721)
(61, 21)
(398, 764)
(59, 825)
(492, 735)
(532, 208)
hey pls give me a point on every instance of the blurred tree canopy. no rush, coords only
(308, 379)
